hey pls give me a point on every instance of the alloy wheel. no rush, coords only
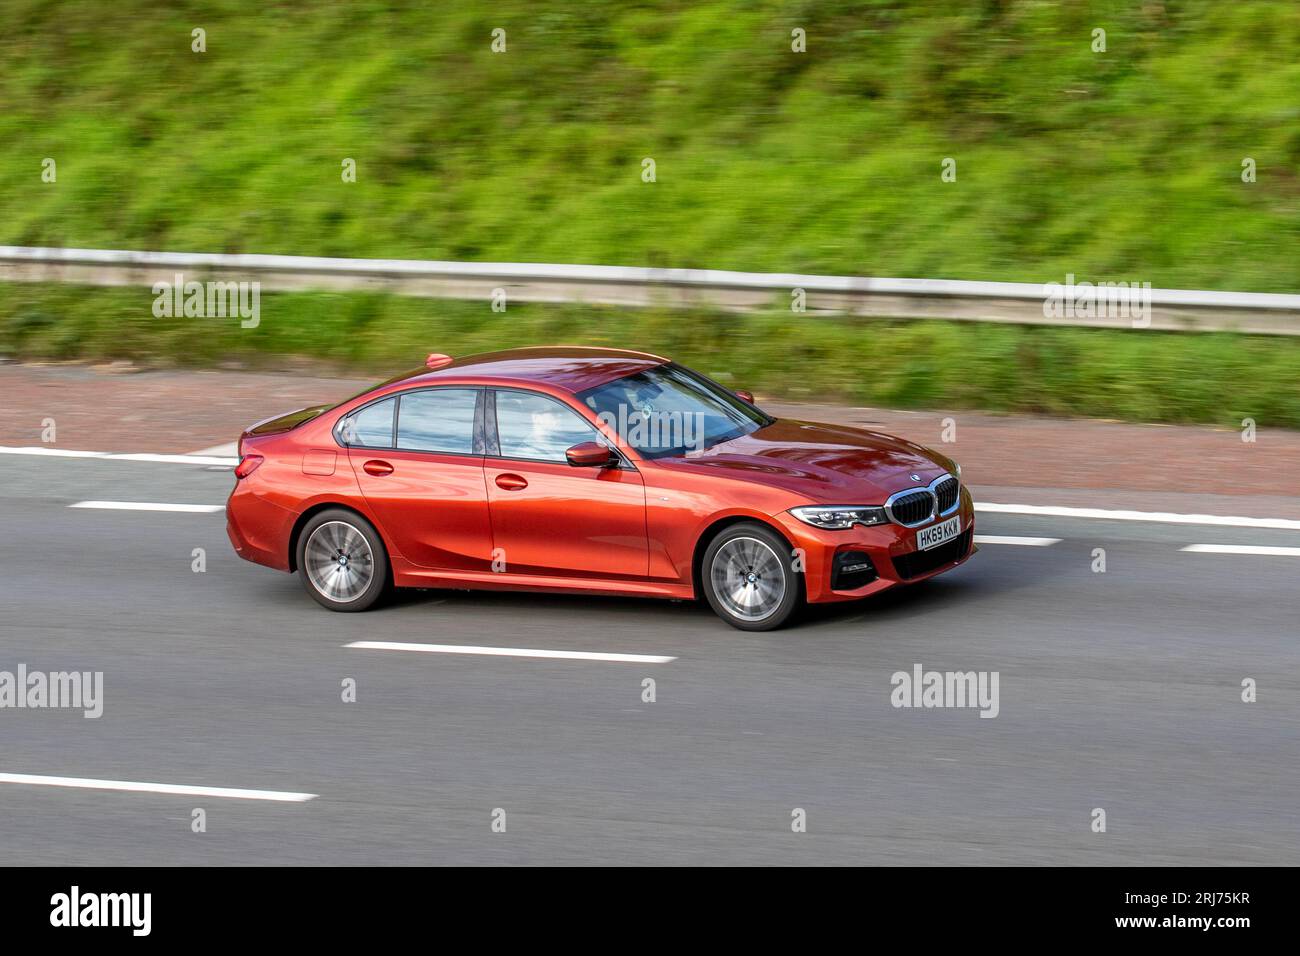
(748, 578)
(338, 561)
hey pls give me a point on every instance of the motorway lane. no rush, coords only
(1118, 690)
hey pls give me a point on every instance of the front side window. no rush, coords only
(371, 426)
(536, 427)
(670, 410)
(437, 419)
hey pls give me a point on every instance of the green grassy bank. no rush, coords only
(1115, 165)
(1138, 375)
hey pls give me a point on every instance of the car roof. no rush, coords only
(572, 368)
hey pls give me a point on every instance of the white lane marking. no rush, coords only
(1164, 517)
(177, 459)
(203, 457)
(1015, 539)
(51, 452)
(1240, 549)
(509, 652)
(111, 456)
(230, 449)
(86, 783)
(148, 506)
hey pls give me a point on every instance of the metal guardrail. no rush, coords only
(1014, 302)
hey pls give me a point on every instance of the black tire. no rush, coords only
(359, 576)
(748, 567)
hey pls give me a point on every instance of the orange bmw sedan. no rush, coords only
(596, 471)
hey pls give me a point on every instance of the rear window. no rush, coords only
(286, 422)
(437, 419)
(371, 426)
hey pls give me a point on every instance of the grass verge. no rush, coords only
(1138, 375)
(1122, 164)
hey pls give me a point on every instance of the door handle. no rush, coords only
(511, 482)
(377, 468)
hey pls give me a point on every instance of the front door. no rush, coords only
(550, 517)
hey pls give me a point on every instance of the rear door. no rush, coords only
(549, 517)
(418, 458)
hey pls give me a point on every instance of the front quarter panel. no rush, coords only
(681, 505)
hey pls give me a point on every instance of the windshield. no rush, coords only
(670, 410)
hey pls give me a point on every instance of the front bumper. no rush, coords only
(891, 549)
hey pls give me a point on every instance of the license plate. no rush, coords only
(937, 534)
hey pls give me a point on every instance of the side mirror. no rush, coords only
(590, 454)
(747, 396)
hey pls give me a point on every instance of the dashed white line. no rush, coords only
(1241, 549)
(171, 789)
(205, 457)
(228, 449)
(177, 459)
(148, 506)
(51, 452)
(112, 456)
(1015, 539)
(509, 652)
(1162, 517)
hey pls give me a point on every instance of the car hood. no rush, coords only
(830, 464)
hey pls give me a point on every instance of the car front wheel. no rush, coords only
(342, 561)
(749, 579)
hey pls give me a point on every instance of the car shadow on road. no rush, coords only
(896, 604)
(531, 602)
(989, 575)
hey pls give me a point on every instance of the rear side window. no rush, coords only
(440, 419)
(371, 426)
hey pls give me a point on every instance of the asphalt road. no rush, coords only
(1118, 690)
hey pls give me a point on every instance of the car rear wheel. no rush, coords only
(342, 561)
(749, 579)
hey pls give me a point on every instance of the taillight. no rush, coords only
(247, 465)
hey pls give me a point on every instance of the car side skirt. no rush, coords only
(409, 576)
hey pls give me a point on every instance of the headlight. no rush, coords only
(839, 517)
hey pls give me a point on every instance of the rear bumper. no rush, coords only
(258, 529)
(891, 550)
